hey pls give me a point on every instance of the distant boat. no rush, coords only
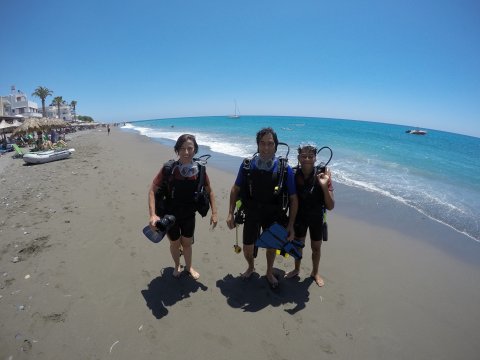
(416, 132)
(236, 114)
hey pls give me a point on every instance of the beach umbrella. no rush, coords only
(28, 126)
(54, 123)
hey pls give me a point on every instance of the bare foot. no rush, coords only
(272, 281)
(177, 272)
(246, 275)
(318, 280)
(292, 274)
(195, 275)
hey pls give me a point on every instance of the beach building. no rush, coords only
(66, 113)
(5, 107)
(17, 104)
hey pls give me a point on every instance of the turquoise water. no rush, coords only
(437, 174)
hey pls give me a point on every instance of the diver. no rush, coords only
(267, 194)
(177, 182)
(315, 195)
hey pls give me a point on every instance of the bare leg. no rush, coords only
(271, 253)
(187, 254)
(248, 254)
(296, 271)
(175, 251)
(316, 252)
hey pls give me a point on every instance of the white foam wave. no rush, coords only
(341, 178)
(215, 143)
(424, 200)
(367, 172)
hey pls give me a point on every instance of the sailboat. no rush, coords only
(236, 115)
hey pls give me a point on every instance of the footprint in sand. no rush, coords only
(35, 246)
(205, 258)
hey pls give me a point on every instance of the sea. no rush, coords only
(437, 174)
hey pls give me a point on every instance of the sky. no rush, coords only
(406, 62)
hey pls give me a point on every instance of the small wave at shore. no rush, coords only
(426, 201)
(415, 187)
(206, 140)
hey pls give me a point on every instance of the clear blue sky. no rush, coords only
(406, 62)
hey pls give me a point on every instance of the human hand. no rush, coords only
(153, 221)
(291, 233)
(213, 220)
(324, 178)
(230, 221)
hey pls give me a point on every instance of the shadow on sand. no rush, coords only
(165, 291)
(255, 294)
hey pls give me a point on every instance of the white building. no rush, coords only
(17, 103)
(5, 107)
(65, 112)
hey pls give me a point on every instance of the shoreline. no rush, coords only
(407, 169)
(353, 202)
(97, 288)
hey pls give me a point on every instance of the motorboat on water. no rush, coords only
(416, 132)
(42, 157)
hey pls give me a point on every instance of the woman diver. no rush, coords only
(178, 184)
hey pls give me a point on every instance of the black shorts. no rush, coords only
(312, 222)
(183, 227)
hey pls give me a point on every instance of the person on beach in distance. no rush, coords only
(315, 195)
(108, 129)
(261, 204)
(181, 202)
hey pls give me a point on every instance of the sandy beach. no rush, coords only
(80, 281)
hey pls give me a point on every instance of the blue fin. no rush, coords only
(274, 237)
(291, 249)
(153, 236)
(298, 244)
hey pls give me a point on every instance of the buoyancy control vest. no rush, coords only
(182, 196)
(310, 195)
(264, 191)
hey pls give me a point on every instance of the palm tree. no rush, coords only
(42, 93)
(58, 101)
(73, 105)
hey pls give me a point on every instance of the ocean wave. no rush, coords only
(392, 166)
(215, 143)
(421, 197)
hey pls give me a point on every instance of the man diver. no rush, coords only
(315, 196)
(257, 186)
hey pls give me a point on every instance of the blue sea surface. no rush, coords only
(437, 174)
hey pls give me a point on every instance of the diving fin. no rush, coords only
(152, 235)
(291, 248)
(273, 238)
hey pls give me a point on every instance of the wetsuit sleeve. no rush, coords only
(239, 179)
(157, 180)
(292, 189)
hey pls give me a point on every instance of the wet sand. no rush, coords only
(88, 285)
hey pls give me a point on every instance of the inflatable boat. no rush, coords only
(42, 157)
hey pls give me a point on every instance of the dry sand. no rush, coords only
(88, 285)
